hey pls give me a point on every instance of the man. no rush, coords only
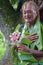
(31, 19)
(30, 14)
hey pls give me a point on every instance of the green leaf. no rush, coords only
(41, 37)
(2, 45)
(26, 41)
(42, 34)
(26, 33)
(2, 38)
(40, 47)
(2, 50)
(14, 3)
(26, 57)
(23, 52)
(17, 27)
(37, 29)
(24, 63)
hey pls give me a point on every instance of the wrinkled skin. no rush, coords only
(29, 14)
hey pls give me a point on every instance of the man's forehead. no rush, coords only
(28, 7)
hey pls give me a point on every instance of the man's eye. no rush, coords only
(29, 12)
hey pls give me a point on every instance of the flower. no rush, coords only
(14, 36)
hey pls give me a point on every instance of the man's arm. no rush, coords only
(22, 47)
(35, 52)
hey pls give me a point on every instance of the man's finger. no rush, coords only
(33, 34)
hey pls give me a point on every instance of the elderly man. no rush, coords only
(30, 16)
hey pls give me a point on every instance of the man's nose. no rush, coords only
(26, 14)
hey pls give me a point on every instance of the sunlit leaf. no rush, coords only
(17, 27)
(2, 45)
(26, 41)
(14, 3)
(26, 33)
(26, 57)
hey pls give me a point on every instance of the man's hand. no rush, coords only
(32, 37)
(22, 47)
(37, 54)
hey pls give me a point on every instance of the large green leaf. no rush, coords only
(2, 45)
(2, 38)
(26, 57)
(26, 41)
(36, 28)
(42, 33)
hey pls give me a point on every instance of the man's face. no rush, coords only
(29, 14)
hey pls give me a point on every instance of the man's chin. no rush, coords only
(26, 21)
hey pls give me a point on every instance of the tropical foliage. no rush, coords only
(24, 57)
(2, 45)
(12, 18)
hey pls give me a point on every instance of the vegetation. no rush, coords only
(10, 11)
(2, 45)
